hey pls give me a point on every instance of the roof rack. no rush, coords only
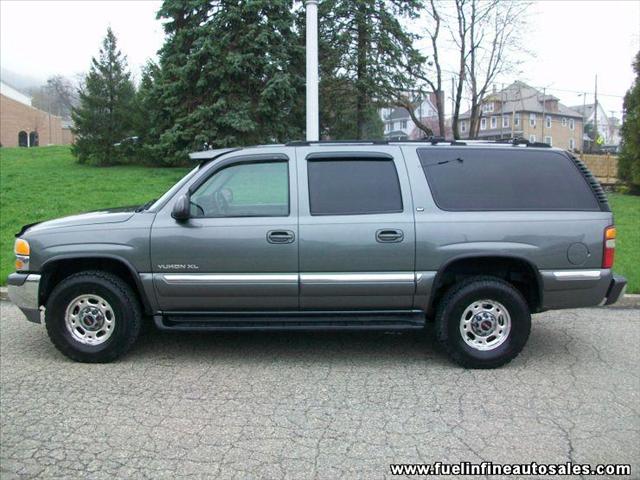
(431, 140)
(522, 141)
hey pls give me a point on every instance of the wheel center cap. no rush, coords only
(483, 324)
(91, 318)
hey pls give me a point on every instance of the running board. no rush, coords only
(242, 321)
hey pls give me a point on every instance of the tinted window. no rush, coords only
(244, 190)
(353, 186)
(504, 179)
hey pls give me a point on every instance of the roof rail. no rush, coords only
(432, 140)
(522, 141)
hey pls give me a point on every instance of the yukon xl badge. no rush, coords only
(178, 266)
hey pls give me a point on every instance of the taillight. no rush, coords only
(609, 247)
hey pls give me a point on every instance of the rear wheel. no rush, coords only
(93, 317)
(483, 322)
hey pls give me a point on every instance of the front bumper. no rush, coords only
(23, 289)
(617, 287)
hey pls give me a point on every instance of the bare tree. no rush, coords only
(429, 81)
(494, 38)
(487, 37)
(58, 96)
(459, 35)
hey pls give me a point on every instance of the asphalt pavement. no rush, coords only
(317, 405)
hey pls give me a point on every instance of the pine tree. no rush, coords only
(103, 118)
(364, 55)
(229, 74)
(629, 163)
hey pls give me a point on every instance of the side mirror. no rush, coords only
(182, 208)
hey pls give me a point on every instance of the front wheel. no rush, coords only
(483, 322)
(93, 317)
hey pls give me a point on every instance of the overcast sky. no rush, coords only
(572, 41)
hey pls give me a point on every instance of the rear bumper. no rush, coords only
(23, 290)
(617, 287)
(574, 288)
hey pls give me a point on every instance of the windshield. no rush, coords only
(163, 199)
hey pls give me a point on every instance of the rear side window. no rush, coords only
(504, 179)
(353, 186)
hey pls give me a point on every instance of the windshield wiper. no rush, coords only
(146, 206)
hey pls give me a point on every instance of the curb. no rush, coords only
(627, 301)
(630, 300)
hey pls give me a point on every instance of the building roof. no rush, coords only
(520, 97)
(585, 110)
(12, 93)
(401, 113)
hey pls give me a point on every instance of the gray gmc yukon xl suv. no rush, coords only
(473, 236)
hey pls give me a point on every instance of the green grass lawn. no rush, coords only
(626, 212)
(42, 183)
(45, 182)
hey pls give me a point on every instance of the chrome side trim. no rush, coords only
(226, 278)
(330, 278)
(570, 275)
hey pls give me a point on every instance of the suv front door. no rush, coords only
(239, 249)
(357, 232)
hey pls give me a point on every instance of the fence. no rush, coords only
(604, 167)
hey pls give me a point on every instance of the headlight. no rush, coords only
(22, 250)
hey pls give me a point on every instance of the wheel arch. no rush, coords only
(57, 268)
(516, 270)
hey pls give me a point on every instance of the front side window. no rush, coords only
(532, 119)
(572, 124)
(548, 122)
(483, 123)
(572, 143)
(494, 122)
(520, 180)
(532, 138)
(564, 121)
(463, 126)
(353, 186)
(516, 120)
(244, 190)
(505, 122)
(548, 141)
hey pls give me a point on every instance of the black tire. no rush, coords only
(452, 307)
(123, 301)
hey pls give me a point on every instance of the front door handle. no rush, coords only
(280, 236)
(389, 236)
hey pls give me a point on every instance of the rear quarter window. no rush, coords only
(467, 179)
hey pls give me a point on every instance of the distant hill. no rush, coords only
(22, 83)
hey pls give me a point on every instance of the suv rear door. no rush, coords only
(356, 228)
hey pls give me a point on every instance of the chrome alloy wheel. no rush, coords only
(90, 319)
(485, 325)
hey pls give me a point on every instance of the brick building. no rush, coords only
(22, 125)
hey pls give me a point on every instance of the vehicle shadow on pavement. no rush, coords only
(349, 346)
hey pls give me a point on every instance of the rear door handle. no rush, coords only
(280, 236)
(389, 236)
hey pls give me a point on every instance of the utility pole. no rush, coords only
(313, 111)
(544, 110)
(595, 114)
(501, 112)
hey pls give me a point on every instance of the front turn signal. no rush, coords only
(21, 247)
